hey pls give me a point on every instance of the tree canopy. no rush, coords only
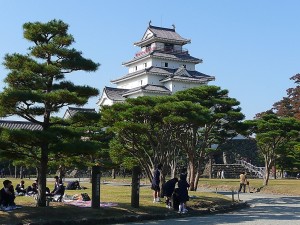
(274, 135)
(36, 88)
(163, 130)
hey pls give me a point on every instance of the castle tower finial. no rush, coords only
(173, 25)
(149, 23)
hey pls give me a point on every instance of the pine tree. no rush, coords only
(36, 89)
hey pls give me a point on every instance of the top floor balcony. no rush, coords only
(167, 50)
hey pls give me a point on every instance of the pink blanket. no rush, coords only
(80, 203)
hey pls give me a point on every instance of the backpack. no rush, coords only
(85, 197)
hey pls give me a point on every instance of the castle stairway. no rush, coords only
(234, 170)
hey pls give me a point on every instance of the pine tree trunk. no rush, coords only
(210, 175)
(192, 169)
(113, 174)
(173, 172)
(16, 170)
(21, 172)
(267, 174)
(42, 178)
(197, 178)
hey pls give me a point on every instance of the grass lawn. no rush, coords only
(122, 196)
(278, 186)
(114, 194)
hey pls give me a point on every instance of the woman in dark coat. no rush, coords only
(183, 193)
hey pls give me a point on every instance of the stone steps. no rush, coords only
(231, 170)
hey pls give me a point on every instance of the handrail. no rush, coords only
(166, 50)
(258, 171)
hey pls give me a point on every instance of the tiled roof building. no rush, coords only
(13, 125)
(161, 67)
(71, 111)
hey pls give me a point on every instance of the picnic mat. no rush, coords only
(80, 203)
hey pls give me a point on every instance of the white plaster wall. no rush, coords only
(105, 100)
(189, 66)
(173, 64)
(133, 82)
(140, 65)
(175, 86)
(155, 79)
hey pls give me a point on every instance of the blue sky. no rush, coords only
(251, 47)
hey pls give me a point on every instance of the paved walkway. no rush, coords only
(264, 210)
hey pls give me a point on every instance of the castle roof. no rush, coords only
(161, 34)
(149, 88)
(13, 125)
(115, 94)
(176, 56)
(119, 94)
(71, 111)
(165, 72)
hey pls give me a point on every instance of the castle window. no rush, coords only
(145, 65)
(184, 65)
(136, 68)
(169, 47)
(165, 64)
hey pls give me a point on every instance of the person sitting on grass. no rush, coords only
(7, 196)
(59, 192)
(32, 190)
(73, 185)
(168, 190)
(20, 188)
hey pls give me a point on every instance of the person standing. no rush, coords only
(243, 182)
(56, 185)
(183, 193)
(2, 172)
(155, 183)
(222, 174)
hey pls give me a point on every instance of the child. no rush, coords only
(168, 189)
(183, 193)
